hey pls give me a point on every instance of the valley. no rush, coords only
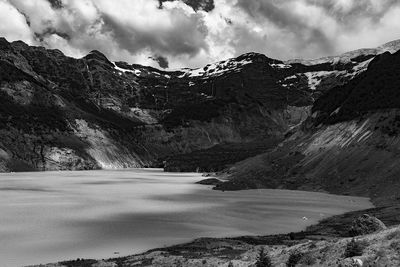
(328, 125)
(58, 110)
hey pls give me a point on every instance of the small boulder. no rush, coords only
(366, 224)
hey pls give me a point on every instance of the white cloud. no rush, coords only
(13, 24)
(135, 30)
(372, 33)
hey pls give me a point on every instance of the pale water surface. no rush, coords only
(52, 216)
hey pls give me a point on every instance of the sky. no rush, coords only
(192, 33)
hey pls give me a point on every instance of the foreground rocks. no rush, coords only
(380, 249)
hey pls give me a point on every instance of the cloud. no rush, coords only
(310, 28)
(13, 24)
(206, 5)
(189, 33)
(172, 30)
(162, 61)
(123, 30)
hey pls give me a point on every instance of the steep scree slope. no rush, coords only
(350, 144)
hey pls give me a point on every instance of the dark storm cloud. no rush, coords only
(162, 61)
(187, 36)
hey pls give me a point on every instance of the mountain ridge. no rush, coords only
(392, 46)
(349, 144)
(262, 123)
(114, 114)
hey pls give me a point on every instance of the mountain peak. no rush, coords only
(20, 45)
(4, 43)
(255, 57)
(97, 55)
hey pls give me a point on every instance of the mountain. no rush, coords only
(330, 124)
(349, 144)
(62, 113)
(313, 76)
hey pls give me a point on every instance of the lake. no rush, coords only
(52, 216)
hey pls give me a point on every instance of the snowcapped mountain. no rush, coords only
(351, 56)
(64, 113)
(349, 144)
(337, 69)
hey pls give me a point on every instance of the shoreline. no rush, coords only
(329, 229)
(325, 229)
(91, 170)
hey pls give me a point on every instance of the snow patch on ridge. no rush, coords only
(314, 78)
(137, 72)
(391, 47)
(216, 69)
(280, 66)
(361, 67)
(290, 77)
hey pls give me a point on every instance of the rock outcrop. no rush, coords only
(366, 224)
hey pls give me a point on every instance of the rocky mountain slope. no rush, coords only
(349, 145)
(315, 76)
(61, 113)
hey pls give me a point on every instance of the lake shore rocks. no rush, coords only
(366, 224)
